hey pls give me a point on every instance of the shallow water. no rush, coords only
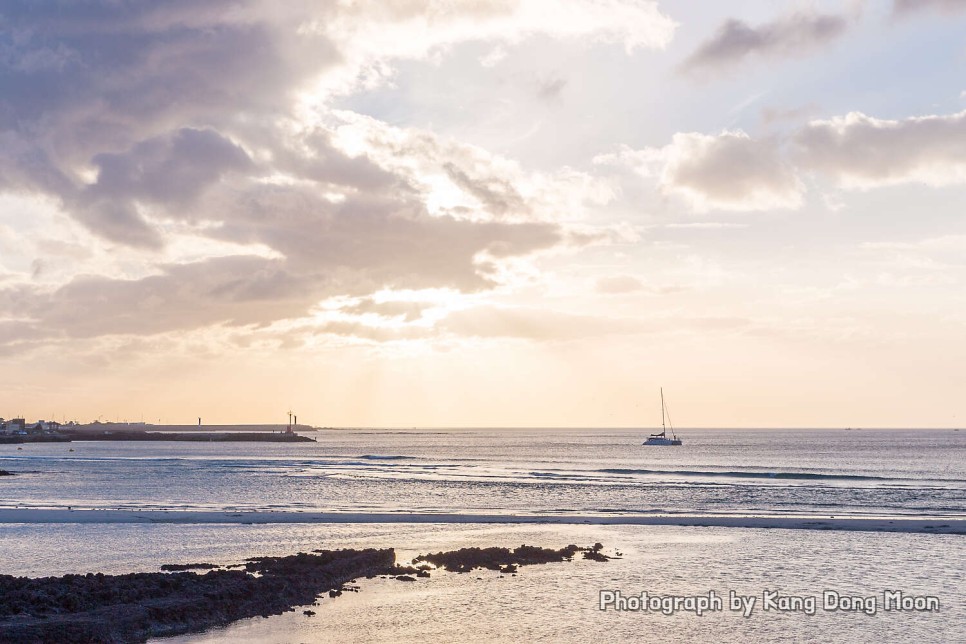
(553, 602)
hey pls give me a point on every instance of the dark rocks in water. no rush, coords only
(138, 606)
(308, 612)
(190, 566)
(467, 559)
(594, 553)
(5, 473)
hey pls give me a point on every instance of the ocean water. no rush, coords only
(530, 472)
(819, 472)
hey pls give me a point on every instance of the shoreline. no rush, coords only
(934, 525)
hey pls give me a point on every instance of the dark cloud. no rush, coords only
(787, 36)
(135, 115)
(169, 169)
(87, 83)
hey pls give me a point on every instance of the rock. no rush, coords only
(501, 559)
(138, 606)
(190, 566)
(405, 578)
(308, 612)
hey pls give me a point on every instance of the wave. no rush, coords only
(919, 524)
(810, 476)
(387, 457)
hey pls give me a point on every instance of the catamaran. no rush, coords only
(662, 439)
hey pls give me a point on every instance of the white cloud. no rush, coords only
(469, 182)
(372, 33)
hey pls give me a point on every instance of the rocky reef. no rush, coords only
(137, 606)
(506, 560)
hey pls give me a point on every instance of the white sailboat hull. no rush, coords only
(659, 440)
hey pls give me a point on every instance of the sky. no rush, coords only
(484, 213)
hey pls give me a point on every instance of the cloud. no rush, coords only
(184, 123)
(359, 246)
(792, 35)
(408, 311)
(730, 171)
(901, 7)
(171, 170)
(619, 284)
(551, 89)
(369, 33)
(468, 182)
(733, 171)
(92, 87)
(860, 151)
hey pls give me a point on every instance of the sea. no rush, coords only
(847, 577)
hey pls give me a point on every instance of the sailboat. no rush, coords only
(662, 439)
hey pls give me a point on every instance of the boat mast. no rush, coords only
(663, 426)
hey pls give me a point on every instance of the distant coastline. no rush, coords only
(146, 432)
